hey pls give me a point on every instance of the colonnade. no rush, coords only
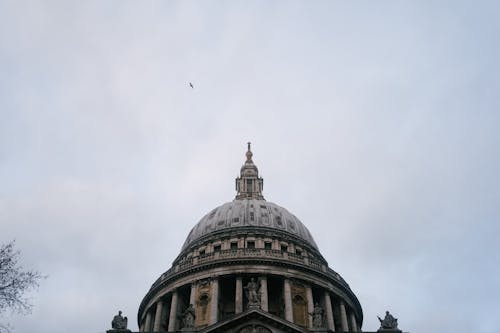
(154, 323)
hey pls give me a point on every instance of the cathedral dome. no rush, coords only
(250, 265)
(249, 214)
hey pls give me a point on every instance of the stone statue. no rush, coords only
(119, 322)
(388, 323)
(252, 293)
(188, 317)
(317, 315)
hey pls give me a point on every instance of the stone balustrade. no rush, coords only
(244, 253)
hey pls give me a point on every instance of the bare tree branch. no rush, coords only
(15, 282)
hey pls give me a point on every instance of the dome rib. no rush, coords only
(249, 213)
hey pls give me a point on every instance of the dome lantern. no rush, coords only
(249, 185)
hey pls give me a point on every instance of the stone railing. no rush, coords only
(191, 262)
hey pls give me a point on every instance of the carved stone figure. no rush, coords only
(317, 315)
(188, 317)
(388, 323)
(119, 322)
(252, 293)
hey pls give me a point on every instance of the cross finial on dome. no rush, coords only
(249, 153)
(249, 185)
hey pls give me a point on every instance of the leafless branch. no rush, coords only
(15, 282)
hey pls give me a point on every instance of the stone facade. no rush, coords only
(250, 266)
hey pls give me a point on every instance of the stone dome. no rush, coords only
(250, 265)
(251, 213)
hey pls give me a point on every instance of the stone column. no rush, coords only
(354, 325)
(159, 309)
(330, 323)
(214, 301)
(343, 317)
(173, 313)
(238, 300)
(147, 325)
(288, 301)
(263, 294)
(192, 295)
(310, 305)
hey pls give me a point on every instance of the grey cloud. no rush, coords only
(375, 124)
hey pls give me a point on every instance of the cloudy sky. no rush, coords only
(376, 123)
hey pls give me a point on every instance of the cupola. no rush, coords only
(249, 185)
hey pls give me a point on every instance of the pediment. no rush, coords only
(254, 321)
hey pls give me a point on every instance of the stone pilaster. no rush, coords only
(288, 300)
(264, 303)
(147, 325)
(214, 302)
(238, 301)
(343, 317)
(310, 306)
(173, 313)
(354, 325)
(330, 323)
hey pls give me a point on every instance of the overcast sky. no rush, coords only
(376, 123)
